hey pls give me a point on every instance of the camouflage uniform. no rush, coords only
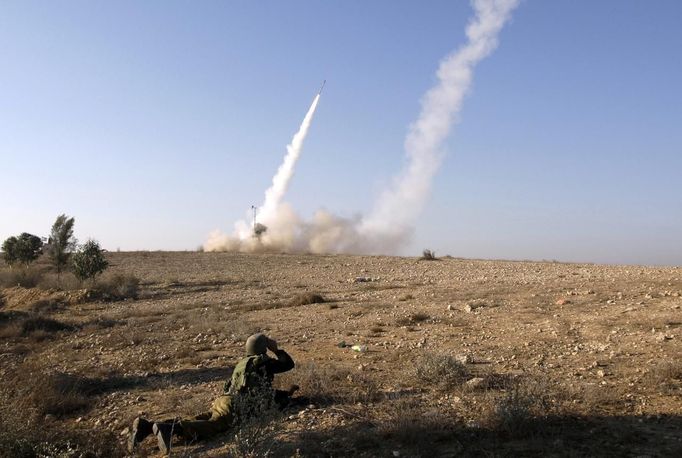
(253, 375)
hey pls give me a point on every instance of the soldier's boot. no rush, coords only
(141, 429)
(164, 434)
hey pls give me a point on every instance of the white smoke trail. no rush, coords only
(398, 207)
(282, 227)
(281, 180)
(389, 226)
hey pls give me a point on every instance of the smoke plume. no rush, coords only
(280, 182)
(398, 207)
(390, 224)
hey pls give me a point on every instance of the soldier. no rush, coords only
(252, 378)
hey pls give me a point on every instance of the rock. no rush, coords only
(562, 301)
(140, 399)
(475, 383)
(125, 431)
(451, 307)
(473, 306)
(464, 359)
(663, 337)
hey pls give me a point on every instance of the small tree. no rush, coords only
(62, 242)
(89, 261)
(9, 252)
(26, 248)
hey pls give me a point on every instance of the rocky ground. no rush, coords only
(459, 357)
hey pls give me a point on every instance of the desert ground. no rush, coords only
(460, 357)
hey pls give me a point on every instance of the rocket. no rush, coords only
(321, 87)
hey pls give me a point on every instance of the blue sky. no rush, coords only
(155, 122)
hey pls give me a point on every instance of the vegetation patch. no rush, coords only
(305, 299)
(412, 319)
(117, 287)
(439, 370)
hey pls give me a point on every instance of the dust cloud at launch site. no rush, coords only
(390, 223)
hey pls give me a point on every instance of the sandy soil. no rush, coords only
(599, 345)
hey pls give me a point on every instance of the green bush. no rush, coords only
(89, 261)
(25, 249)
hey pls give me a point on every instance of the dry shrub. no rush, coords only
(415, 427)
(38, 328)
(516, 414)
(102, 323)
(117, 287)
(27, 277)
(597, 398)
(47, 325)
(47, 305)
(439, 370)
(305, 299)
(255, 435)
(60, 394)
(412, 319)
(28, 434)
(667, 376)
(330, 385)
(428, 255)
(39, 439)
(66, 281)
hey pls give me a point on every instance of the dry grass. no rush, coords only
(29, 412)
(117, 287)
(306, 299)
(324, 385)
(36, 327)
(441, 371)
(27, 277)
(412, 319)
(667, 376)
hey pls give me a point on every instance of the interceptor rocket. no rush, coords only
(321, 87)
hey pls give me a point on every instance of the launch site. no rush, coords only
(363, 229)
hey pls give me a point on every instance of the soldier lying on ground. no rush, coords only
(251, 379)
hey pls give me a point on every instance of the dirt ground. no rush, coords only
(550, 359)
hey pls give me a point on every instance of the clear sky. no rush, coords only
(155, 122)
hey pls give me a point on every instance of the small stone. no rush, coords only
(79, 419)
(451, 307)
(473, 306)
(562, 302)
(125, 431)
(475, 383)
(140, 399)
(464, 359)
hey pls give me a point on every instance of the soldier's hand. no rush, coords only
(272, 345)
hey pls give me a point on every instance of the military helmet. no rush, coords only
(257, 344)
